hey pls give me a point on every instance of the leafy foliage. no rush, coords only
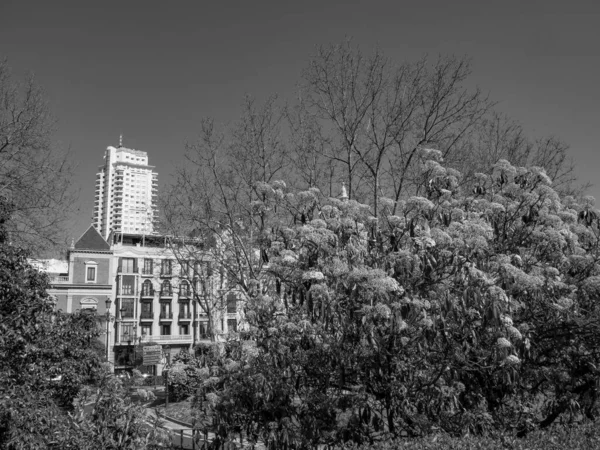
(464, 311)
(48, 359)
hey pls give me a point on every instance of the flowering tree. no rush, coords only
(457, 310)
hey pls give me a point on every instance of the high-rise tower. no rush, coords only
(125, 193)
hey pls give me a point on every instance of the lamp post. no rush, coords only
(108, 303)
(167, 366)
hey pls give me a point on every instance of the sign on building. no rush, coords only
(152, 355)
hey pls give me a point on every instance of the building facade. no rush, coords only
(146, 293)
(126, 192)
(87, 283)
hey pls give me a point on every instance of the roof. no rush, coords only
(91, 240)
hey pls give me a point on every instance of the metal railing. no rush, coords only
(59, 279)
(166, 316)
(167, 338)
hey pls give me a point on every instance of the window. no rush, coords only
(126, 308)
(184, 310)
(165, 289)
(127, 285)
(127, 265)
(203, 329)
(165, 310)
(128, 332)
(232, 325)
(91, 271)
(147, 290)
(146, 310)
(231, 303)
(184, 330)
(148, 267)
(166, 267)
(165, 330)
(185, 269)
(146, 330)
(184, 289)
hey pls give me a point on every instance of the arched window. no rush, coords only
(184, 289)
(165, 289)
(147, 290)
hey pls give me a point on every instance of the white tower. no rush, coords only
(126, 190)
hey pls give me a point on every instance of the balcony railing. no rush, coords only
(147, 272)
(59, 279)
(166, 293)
(185, 316)
(162, 338)
(147, 292)
(147, 315)
(166, 316)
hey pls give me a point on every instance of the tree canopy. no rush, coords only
(52, 366)
(460, 310)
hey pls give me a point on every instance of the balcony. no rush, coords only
(166, 316)
(185, 316)
(147, 315)
(147, 272)
(58, 279)
(166, 273)
(148, 293)
(166, 293)
(162, 339)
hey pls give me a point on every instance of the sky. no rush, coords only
(152, 70)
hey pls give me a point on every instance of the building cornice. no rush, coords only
(90, 286)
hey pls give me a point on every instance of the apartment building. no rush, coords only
(125, 193)
(147, 293)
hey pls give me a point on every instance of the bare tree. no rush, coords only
(499, 137)
(310, 165)
(342, 86)
(380, 115)
(218, 198)
(368, 118)
(35, 177)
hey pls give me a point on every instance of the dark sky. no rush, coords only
(152, 69)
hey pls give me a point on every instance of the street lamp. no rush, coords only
(108, 303)
(166, 372)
